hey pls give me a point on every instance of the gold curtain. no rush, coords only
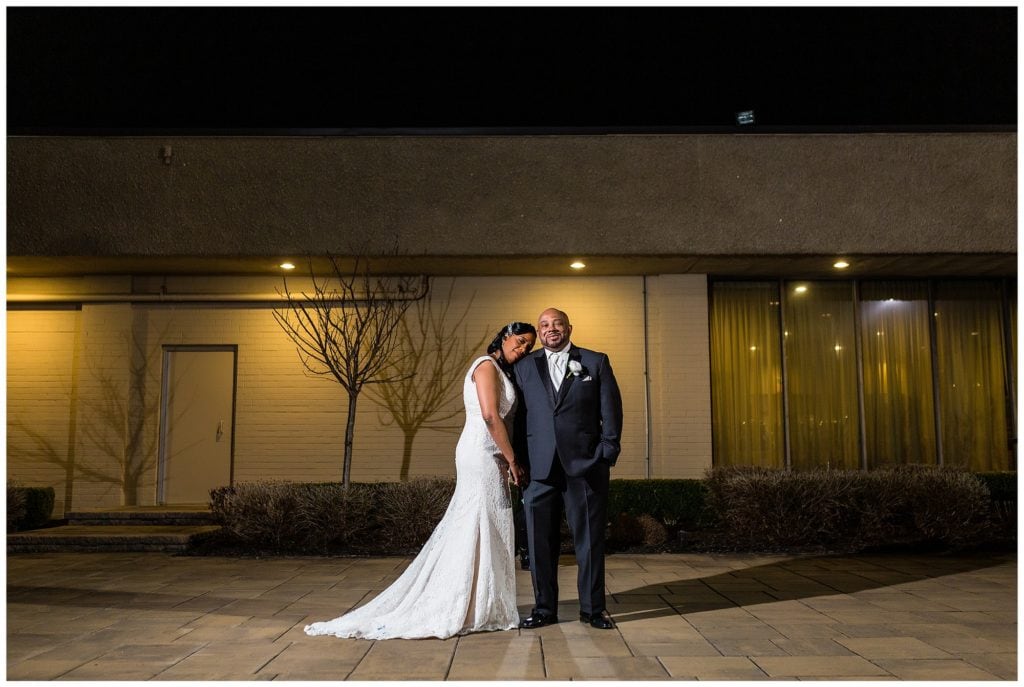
(821, 375)
(1011, 295)
(746, 374)
(972, 386)
(899, 410)
(1011, 287)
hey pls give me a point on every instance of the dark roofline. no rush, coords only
(505, 131)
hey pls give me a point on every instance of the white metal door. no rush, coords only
(197, 423)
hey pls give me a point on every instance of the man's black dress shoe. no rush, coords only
(599, 620)
(538, 620)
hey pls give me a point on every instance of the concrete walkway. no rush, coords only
(139, 616)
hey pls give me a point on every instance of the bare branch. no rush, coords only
(348, 328)
(434, 348)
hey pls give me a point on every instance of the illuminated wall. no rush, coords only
(84, 385)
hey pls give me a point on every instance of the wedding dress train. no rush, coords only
(463, 580)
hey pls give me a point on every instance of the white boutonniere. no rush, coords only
(575, 368)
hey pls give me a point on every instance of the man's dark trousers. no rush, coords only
(584, 500)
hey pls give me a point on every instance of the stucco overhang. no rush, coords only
(515, 204)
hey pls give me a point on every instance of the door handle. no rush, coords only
(220, 430)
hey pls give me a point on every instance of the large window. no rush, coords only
(746, 371)
(899, 403)
(821, 365)
(846, 375)
(972, 374)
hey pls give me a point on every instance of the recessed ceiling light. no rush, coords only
(841, 265)
(801, 289)
(578, 265)
(287, 266)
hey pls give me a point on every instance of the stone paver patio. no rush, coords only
(141, 616)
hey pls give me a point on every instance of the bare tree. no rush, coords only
(348, 328)
(436, 347)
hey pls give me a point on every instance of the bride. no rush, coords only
(463, 580)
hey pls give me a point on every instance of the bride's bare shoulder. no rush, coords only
(490, 370)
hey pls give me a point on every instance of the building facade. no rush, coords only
(145, 365)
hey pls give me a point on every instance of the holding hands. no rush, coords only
(517, 474)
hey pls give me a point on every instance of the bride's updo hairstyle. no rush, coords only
(510, 329)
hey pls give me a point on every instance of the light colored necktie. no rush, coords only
(557, 368)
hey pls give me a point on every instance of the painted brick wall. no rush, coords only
(100, 405)
(290, 425)
(40, 376)
(680, 375)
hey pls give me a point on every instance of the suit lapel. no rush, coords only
(542, 369)
(563, 390)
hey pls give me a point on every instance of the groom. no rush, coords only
(572, 419)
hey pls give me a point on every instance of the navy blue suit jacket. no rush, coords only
(580, 424)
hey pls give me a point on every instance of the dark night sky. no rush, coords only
(198, 68)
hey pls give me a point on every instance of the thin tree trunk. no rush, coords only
(350, 430)
(410, 436)
(128, 491)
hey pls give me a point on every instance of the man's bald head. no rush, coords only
(554, 329)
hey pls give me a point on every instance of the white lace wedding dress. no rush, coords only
(463, 580)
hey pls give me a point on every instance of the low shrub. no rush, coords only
(624, 531)
(761, 508)
(293, 516)
(627, 531)
(764, 509)
(334, 518)
(946, 506)
(654, 533)
(261, 514)
(734, 508)
(409, 511)
(1003, 489)
(1001, 485)
(301, 517)
(16, 507)
(676, 503)
(29, 507)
